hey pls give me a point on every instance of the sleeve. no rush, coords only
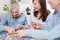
(55, 32)
(39, 34)
(2, 23)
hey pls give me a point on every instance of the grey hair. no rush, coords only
(14, 5)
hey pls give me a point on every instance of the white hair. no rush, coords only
(14, 5)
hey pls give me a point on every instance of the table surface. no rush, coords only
(6, 36)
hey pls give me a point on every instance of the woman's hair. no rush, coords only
(44, 10)
(14, 5)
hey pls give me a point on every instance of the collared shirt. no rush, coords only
(12, 22)
(53, 22)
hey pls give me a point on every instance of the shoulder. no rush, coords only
(22, 16)
(50, 16)
(6, 15)
(57, 15)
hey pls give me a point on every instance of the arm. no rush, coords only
(37, 33)
(55, 32)
(40, 34)
(52, 34)
(2, 23)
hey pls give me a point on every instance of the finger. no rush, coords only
(13, 31)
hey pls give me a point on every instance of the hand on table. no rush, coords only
(36, 25)
(21, 33)
(19, 26)
(27, 27)
(10, 30)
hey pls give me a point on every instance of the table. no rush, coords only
(6, 36)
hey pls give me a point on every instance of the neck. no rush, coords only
(58, 8)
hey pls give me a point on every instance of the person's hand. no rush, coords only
(21, 33)
(33, 25)
(10, 30)
(27, 27)
(36, 25)
(19, 26)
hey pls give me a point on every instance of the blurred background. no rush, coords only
(22, 3)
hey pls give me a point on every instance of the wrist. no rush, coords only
(6, 28)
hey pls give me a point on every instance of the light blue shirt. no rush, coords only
(54, 32)
(12, 22)
(53, 22)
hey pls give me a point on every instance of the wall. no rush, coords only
(2, 2)
(23, 5)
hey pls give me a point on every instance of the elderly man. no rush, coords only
(13, 20)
